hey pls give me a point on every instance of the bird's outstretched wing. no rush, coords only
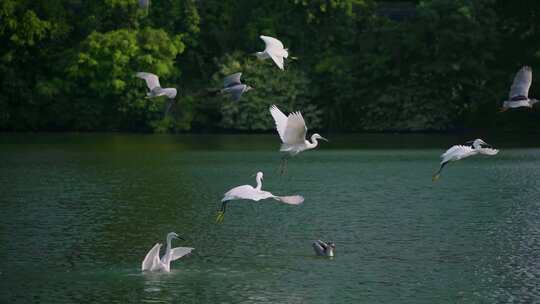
(232, 80)
(290, 200)
(235, 91)
(457, 152)
(319, 250)
(170, 92)
(295, 131)
(151, 261)
(152, 81)
(277, 59)
(280, 119)
(240, 192)
(488, 151)
(271, 43)
(274, 48)
(522, 83)
(179, 252)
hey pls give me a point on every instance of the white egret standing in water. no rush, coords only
(152, 262)
(458, 152)
(519, 92)
(274, 49)
(292, 131)
(248, 192)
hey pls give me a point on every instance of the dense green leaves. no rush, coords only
(70, 64)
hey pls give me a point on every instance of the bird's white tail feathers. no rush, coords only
(489, 151)
(291, 200)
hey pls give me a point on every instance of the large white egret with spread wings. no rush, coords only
(152, 262)
(292, 131)
(519, 92)
(458, 152)
(274, 49)
(248, 192)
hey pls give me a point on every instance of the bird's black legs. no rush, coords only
(168, 107)
(283, 167)
(437, 174)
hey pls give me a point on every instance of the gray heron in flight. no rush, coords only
(233, 85)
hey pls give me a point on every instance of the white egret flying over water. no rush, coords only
(274, 49)
(458, 152)
(152, 262)
(519, 92)
(323, 248)
(292, 131)
(248, 192)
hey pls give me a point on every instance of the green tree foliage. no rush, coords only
(105, 67)
(70, 64)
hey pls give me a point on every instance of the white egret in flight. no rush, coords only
(152, 262)
(458, 152)
(152, 82)
(274, 49)
(324, 249)
(519, 92)
(248, 192)
(235, 87)
(292, 131)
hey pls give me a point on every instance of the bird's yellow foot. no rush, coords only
(220, 217)
(435, 177)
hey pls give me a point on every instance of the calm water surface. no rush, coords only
(79, 213)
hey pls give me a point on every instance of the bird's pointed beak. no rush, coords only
(324, 139)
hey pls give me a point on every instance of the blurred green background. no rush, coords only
(363, 65)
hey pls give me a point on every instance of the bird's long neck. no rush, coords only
(259, 184)
(313, 143)
(166, 257)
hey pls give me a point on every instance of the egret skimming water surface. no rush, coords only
(458, 152)
(248, 192)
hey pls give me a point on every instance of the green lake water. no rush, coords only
(79, 213)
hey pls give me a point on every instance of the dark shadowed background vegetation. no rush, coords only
(363, 65)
